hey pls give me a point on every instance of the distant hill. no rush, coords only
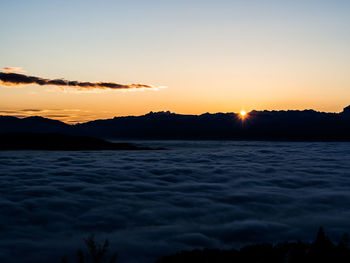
(306, 125)
(33, 124)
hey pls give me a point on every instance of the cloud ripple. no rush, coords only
(149, 204)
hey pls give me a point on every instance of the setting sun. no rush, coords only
(243, 113)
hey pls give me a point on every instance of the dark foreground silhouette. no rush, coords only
(322, 250)
(35, 141)
(307, 125)
(96, 253)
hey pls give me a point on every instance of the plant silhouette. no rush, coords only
(96, 253)
(322, 250)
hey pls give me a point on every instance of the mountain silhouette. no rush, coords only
(306, 125)
(33, 124)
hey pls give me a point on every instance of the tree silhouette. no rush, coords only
(96, 253)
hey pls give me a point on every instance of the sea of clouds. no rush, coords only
(153, 203)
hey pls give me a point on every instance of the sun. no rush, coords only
(243, 113)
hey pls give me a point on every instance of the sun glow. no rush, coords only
(243, 113)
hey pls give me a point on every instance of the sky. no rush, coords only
(198, 56)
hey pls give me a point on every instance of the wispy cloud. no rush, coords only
(71, 116)
(9, 78)
(13, 70)
(31, 110)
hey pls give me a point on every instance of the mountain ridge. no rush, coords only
(308, 125)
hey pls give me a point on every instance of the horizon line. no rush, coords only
(18, 116)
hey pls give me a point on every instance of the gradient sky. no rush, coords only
(213, 56)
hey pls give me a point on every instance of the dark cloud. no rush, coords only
(32, 110)
(57, 116)
(16, 79)
(8, 111)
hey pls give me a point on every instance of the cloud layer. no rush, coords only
(9, 78)
(149, 204)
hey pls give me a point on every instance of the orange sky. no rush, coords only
(213, 56)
